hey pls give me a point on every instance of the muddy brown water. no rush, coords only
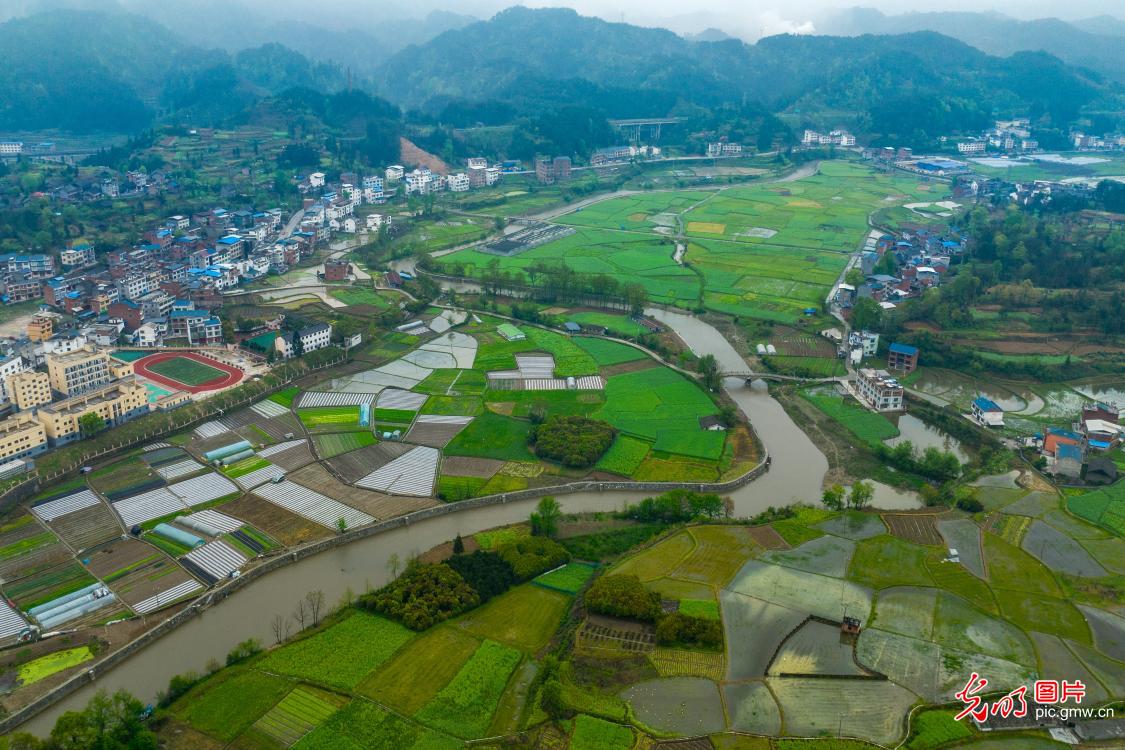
(796, 473)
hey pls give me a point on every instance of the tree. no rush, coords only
(301, 614)
(866, 314)
(280, 627)
(861, 494)
(91, 424)
(315, 601)
(341, 524)
(458, 545)
(545, 519)
(855, 277)
(107, 723)
(708, 366)
(833, 497)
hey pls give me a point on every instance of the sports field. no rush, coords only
(187, 371)
(765, 250)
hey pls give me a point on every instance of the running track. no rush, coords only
(232, 376)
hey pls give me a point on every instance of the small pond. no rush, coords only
(925, 436)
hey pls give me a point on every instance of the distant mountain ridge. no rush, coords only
(1095, 44)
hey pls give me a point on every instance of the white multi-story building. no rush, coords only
(316, 179)
(375, 222)
(10, 366)
(724, 149)
(316, 336)
(11, 148)
(476, 162)
(394, 172)
(879, 390)
(458, 183)
(77, 255)
(971, 147)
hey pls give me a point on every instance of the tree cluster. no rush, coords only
(678, 506)
(678, 629)
(574, 441)
(487, 572)
(108, 722)
(424, 595)
(623, 596)
(932, 463)
(532, 555)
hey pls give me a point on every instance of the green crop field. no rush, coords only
(187, 371)
(299, 712)
(224, 706)
(342, 655)
(523, 617)
(615, 324)
(569, 578)
(334, 444)
(765, 250)
(591, 733)
(420, 669)
(868, 426)
(1104, 506)
(358, 295)
(624, 456)
(47, 585)
(364, 725)
(336, 416)
(45, 666)
(493, 436)
(607, 352)
(663, 406)
(465, 706)
(245, 466)
(286, 396)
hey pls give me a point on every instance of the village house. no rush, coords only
(879, 390)
(987, 412)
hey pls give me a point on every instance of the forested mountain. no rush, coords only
(116, 71)
(903, 86)
(1095, 45)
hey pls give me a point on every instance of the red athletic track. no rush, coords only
(233, 374)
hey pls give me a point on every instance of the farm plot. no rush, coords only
(870, 427)
(87, 527)
(299, 712)
(624, 456)
(147, 506)
(568, 579)
(674, 662)
(854, 525)
(958, 625)
(135, 571)
(1108, 629)
(359, 463)
(330, 418)
(125, 477)
(607, 353)
(591, 733)
(815, 648)
(1056, 659)
(412, 473)
(11, 621)
(313, 399)
(1059, 552)
(26, 548)
(228, 703)
(524, 617)
(436, 431)
(214, 561)
(919, 528)
(659, 560)
(686, 706)
(334, 444)
(826, 555)
(753, 628)
(867, 709)
(643, 260)
(420, 669)
(465, 706)
(340, 656)
(906, 610)
(295, 456)
(312, 505)
(285, 526)
(813, 594)
(1033, 504)
(661, 405)
(963, 535)
(203, 489)
(47, 585)
(361, 724)
(752, 708)
(263, 472)
(884, 561)
(718, 554)
(376, 504)
(910, 662)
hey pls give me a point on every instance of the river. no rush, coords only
(796, 472)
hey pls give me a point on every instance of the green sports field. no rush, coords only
(186, 371)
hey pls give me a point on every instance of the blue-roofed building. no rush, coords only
(987, 412)
(198, 326)
(902, 358)
(1068, 461)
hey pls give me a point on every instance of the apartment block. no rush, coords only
(21, 436)
(116, 403)
(79, 371)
